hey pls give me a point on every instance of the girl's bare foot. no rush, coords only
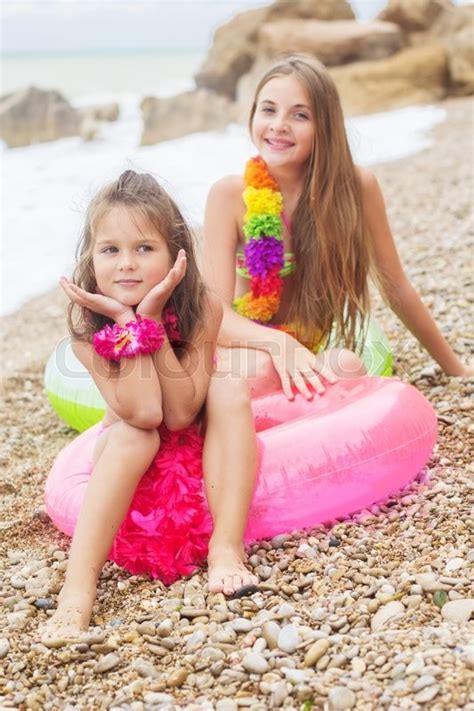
(70, 620)
(227, 571)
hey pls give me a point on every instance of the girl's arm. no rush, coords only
(220, 247)
(400, 294)
(131, 389)
(185, 382)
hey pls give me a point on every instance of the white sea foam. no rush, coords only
(47, 186)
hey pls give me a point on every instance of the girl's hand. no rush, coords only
(154, 302)
(98, 303)
(297, 366)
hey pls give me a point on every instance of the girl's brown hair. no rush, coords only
(141, 193)
(332, 247)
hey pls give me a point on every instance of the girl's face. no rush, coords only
(283, 123)
(130, 257)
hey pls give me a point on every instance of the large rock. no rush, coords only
(235, 44)
(455, 30)
(232, 53)
(316, 9)
(413, 76)
(189, 112)
(413, 15)
(102, 112)
(336, 42)
(33, 115)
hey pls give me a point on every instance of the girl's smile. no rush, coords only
(130, 256)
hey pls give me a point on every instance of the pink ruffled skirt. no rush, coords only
(166, 531)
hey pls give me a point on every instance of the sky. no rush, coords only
(104, 25)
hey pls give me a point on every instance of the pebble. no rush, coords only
(278, 541)
(154, 698)
(226, 705)
(44, 603)
(458, 611)
(195, 641)
(288, 638)
(165, 628)
(358, 666)
(255, 663)
(341, 698)
(144, 669)
(241, 625)
(427, 694)
(177, 678)
(417, 665)
(296, 676)
(285, 610)
(430, 582)
(455, 564)
(110, 661)
(270, 632)
(422, 681)
(386, 613)
(4, 647)
(306, 551)
(316, 651)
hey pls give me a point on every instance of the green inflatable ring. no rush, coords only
(76, 399)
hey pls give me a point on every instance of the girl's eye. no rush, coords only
(267, 110)
(145, 248)
(109, 250)
(301, 116)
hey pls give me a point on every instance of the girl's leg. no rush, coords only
(342, 362)
(123, 454)
(230, 462)
(230, 452)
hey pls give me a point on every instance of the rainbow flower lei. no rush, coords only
(264, 248)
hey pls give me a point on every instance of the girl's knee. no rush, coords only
(125, 435)
(345, 363)
(227, 393)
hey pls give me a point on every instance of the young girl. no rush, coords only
(289, 249)
(145, 327)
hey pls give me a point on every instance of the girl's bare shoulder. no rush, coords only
(367, 179)
(228, 188)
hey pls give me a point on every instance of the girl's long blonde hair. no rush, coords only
(331, 244)
(142, 194)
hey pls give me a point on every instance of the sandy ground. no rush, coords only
(415, 551)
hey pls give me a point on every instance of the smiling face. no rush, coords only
(283, 123)
(129, 255)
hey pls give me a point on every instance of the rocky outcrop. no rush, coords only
(414, 15)
(102, 112)
(413, 76)
(189, 112)
(33, 115)
(232, 53)
(336, 42)
(235, 44)
(316, 9)
(455, 30)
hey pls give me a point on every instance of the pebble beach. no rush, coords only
(370, 613)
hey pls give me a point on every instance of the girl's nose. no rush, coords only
(279, 122)
(127, 260)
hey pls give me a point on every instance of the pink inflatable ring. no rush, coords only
(319, 460)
